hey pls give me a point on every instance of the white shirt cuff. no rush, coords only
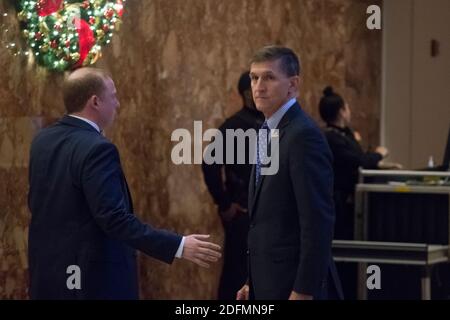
(180, 249)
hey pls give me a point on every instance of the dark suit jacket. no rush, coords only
(292, 214)
(348, 157)
(82, 214)
(235, 186)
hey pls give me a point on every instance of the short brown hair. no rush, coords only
(290, 63)
(81, 85)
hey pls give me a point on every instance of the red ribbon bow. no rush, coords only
(47, 7)
(86, 40)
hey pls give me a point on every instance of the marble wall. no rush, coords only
(175, 62)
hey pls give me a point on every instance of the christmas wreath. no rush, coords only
(67, 34)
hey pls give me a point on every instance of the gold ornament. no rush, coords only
(45, 48)
(75, 56)
(26, 33)
(59, 52)
(22, 15)
(100, 33)
(43, 28)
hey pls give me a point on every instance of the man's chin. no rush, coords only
(260, 107)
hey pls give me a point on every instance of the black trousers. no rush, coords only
(235, 264)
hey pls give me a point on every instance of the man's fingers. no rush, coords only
(241, 295)
(209, 245)
(201, 236)
(246, 292)
(210, 252)
(205, 257)
(201, 263)
(205, 244)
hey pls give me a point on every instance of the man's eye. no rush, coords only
(253, 78)
(268, 78)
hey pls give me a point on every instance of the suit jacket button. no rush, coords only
(248, 252)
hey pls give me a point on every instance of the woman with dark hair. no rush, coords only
(348, 157)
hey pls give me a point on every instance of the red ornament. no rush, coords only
(67, 43)
(38, 36)
(53, 44)
(109, 13)
(85, 5)
(47, 7)
(119, 8)
(58, 27)
(105, 28)
(92, 20)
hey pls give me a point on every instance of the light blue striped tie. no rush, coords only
(261, 149)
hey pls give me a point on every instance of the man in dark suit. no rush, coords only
(83, 232)
(291, 211)
(228, 185)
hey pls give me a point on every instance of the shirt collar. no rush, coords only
(275, 119)
(86, 120)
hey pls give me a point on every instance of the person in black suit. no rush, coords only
(291, 211)
(231, 194)
(83, 231)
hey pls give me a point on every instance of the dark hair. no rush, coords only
(290, 63)
(77, 90)
(244, 83)
(330, 105)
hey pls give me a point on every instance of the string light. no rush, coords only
(58, 42)
(55, 43)
(8, 38)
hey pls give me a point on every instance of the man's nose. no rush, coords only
(259, 85)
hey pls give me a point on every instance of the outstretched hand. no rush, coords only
(199, 251)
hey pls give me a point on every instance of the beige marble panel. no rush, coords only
(175, 62)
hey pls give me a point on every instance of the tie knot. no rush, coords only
(265, 125)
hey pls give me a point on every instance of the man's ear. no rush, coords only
(294, 84)
(94, 101)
